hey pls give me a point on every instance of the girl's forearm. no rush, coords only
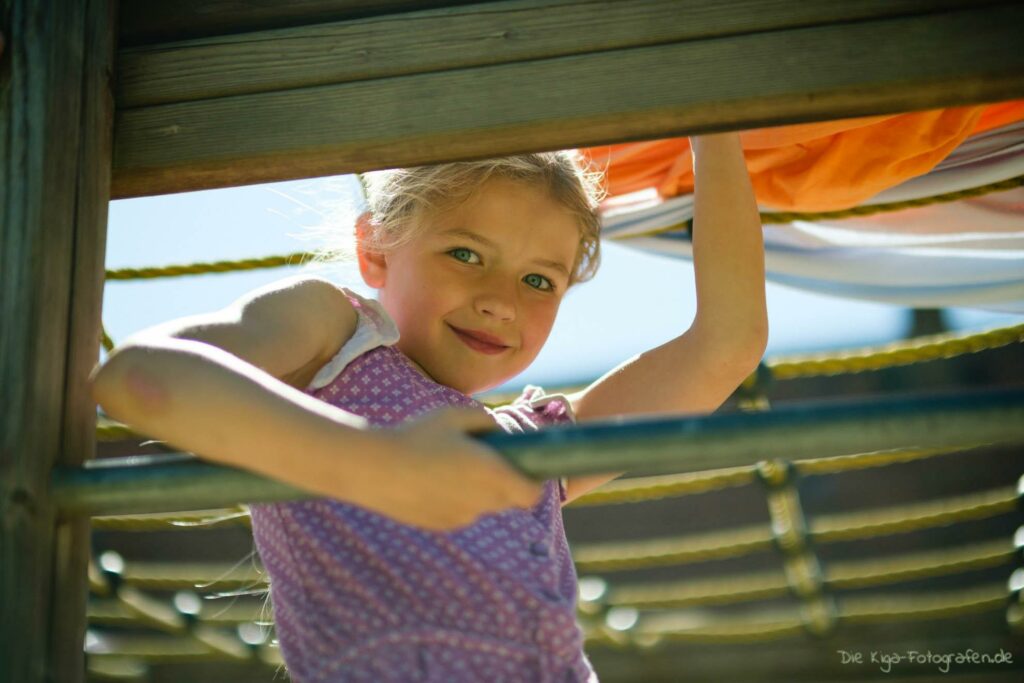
(728, 247)
(206, 401)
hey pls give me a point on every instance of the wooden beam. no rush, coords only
(56, 117)
(747, 80)
(153, 21)
(439, 40)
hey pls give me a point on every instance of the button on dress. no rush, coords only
(358, 596)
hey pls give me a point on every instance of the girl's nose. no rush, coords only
(495, 303)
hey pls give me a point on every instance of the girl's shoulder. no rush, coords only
(304, 303)
(373, 328)
(307, 303)
(287, 328)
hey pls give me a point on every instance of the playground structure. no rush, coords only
(210, 96)
(784, 561)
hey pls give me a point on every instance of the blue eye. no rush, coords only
(464, 255)
(539, 282)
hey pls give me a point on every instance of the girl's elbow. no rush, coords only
(103, 383)
(757, 354)
(748, 352)
(122, 385)
(759, 340)
(106, 384)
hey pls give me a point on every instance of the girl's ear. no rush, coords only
(373, 266)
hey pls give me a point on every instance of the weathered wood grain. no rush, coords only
(55, 140)
(148, 21)
(78, 434)
(731, 83)
(462, 37)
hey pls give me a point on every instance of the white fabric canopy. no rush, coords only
(964, 253)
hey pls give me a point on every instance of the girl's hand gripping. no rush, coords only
(444, 479)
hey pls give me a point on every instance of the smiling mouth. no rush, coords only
(478, 344)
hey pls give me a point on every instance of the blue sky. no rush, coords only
(637, 300)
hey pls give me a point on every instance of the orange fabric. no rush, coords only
(814, 166)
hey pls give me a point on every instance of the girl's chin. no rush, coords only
(476, 385)
(470, 383)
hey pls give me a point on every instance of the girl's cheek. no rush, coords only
(541, 320)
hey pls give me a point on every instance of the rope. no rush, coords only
(296, 259)
(670, 551)
(649, 631)
(915, 516)
(688, 593)
(109, 430)
(766, 218)
(129, 602)
(105, 340)
(869, 358)
(164, 521)
(679, 550)
(113, 613)
(192, 576)
(857, 574)
(920, 349)
(775, 624)
(617, 556)
(693, 592)
(931, 606)
(775, 217)
(640, 489)
(156, 649)
(861, 461)
(733, 630)
(838, 575)
(780, 217)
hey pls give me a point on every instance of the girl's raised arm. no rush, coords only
(698, 370)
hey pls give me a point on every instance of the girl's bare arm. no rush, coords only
(697, 371)
(173, 383)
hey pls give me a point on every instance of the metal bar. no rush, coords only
(653, 445)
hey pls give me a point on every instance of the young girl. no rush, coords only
(427, 557)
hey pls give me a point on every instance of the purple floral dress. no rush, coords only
(358, 596)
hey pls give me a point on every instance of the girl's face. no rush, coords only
(475, 294)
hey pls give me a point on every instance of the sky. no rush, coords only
(636, 301)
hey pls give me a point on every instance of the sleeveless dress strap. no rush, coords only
(374, 328)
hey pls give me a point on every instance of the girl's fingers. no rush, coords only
(519, 490)
(506, 487)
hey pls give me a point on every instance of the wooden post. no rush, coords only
(56, 122)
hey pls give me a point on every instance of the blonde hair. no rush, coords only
(399, 199)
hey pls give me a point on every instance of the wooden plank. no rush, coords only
(478, 35)
(53, 195)
(738, 82)
(78, 434)
(150, 21)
